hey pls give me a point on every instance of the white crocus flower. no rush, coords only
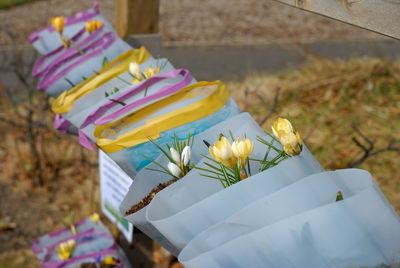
(186, 155)
(175, 155)
(134, 70)
(174, 169)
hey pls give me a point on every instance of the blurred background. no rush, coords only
(338, 84)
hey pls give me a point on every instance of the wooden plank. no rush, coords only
(136, 17)
(378, 16)
(140, 252)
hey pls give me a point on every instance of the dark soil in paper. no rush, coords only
(147, 199)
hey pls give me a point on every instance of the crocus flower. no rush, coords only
(65, 249)
(58, 24)
(150, 72)
(95, 217)
(134, 70)
(73, 229)
(186, 155)
(222, 152)
(110, 260)
(92, 25)
(88, 26)
(287, 136)
(175, 155)
(174, 169)
(242, 150)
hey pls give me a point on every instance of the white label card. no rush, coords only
(114, 185)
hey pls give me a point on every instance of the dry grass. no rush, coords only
(324, 99)
(47, 181)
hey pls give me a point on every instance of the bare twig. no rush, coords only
(13, 123)
(273, 107)
(246, 95)
(368, 148)
(34, 151)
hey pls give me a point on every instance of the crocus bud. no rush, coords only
(287, 136)
(174, 169)
(281, 126)
(110, 260)
(95, 217)
(186, 155)
(134, 70)
(339, 196)
(175, 155)
(58, 24)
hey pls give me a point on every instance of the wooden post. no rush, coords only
(136, 17)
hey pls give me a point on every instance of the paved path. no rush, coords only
(234, 62)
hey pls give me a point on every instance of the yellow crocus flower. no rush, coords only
(281, 124)
(97, 24)
(135, 71)
(73, 229)
(222, 152)
(150, 72)
(95, 217)
(110, 260)
(92, 25)
(65, 249)
(242, 150)
(287, 136)
(89, 26)
(58, 24)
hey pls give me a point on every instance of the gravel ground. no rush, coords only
(206, 22)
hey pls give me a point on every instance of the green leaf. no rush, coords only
(210, 171)
(162, 150)
(248, 167)
(236, 173)
(272, 162)
(339, 196)
(105, 62)
(261, 140)
(158, 170)
(163, 64)
(119, 102)
(123, 80)
(215, 178)
(211, 166)
(232, 138)
(69, 82)
(225, 175)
